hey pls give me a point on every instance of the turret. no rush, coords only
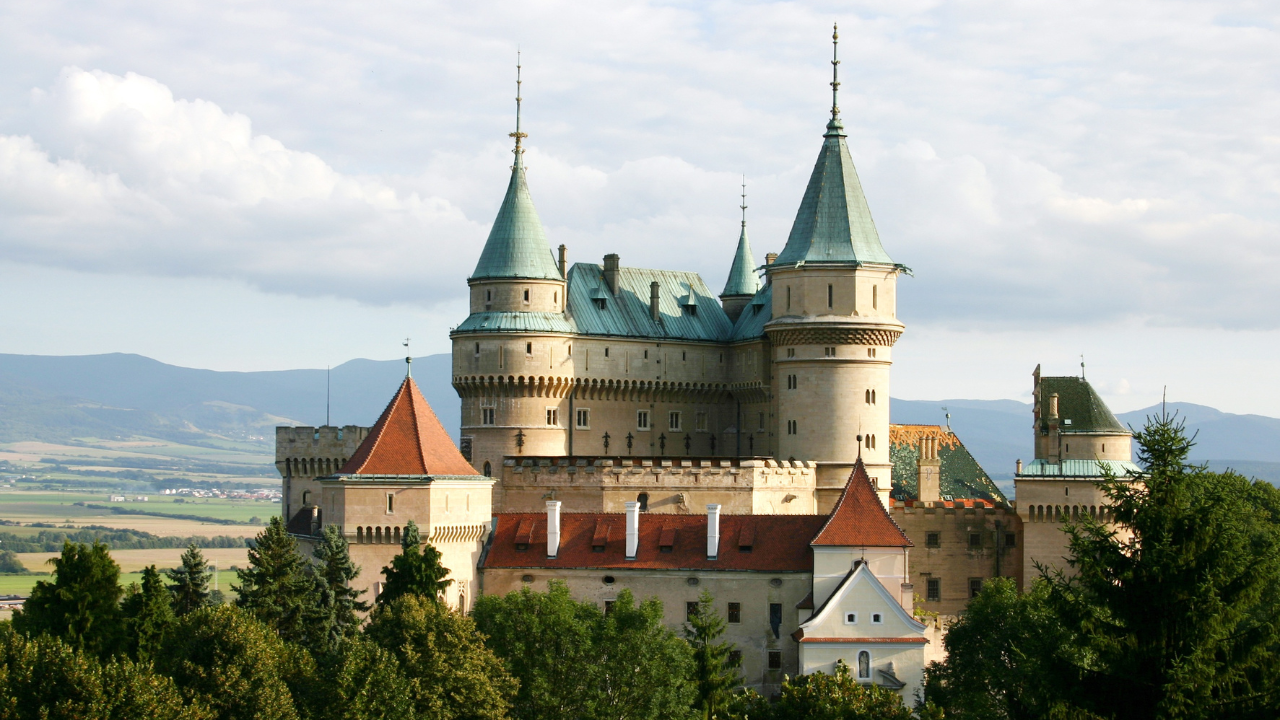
(743, 283)
(834, 324)
(517, 271)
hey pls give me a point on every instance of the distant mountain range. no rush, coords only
(60, 399)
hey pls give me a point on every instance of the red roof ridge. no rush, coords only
(408, 439)
(859, 519)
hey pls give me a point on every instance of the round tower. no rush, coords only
(834, 325)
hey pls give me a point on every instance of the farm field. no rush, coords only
(58, 507)
(133, 561)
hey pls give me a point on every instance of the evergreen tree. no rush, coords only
(715, 669)
(415, 571)
(338, 571)
(227, 661)
(81, 605)
(282, 590)
(452, 674)
(148, 614)
(190, 582)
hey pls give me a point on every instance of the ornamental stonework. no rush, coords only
(834, 336)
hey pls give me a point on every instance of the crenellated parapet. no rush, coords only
(609, 389)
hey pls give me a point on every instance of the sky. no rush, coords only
(252, 185)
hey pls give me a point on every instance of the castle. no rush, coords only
(623, 428)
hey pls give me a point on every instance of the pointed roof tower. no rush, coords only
(408, 439)
(742, 273)
(834, 223)
(859, 518)
(517, 246)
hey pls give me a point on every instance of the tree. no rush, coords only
(819, 696)
(362, 681)
(81, 605)
(225, 660)
(43, 678)
(11, 565)
(148, 615)
(452, 674)
(338, 571)
(415, 571)
(643, 670)
(715, 668)
(547, 641)
(281, 590)
(1178, 617)
(190, 586)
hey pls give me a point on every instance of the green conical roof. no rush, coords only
(742, 274)
(834, 223)
(517, 246)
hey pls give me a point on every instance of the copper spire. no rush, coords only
(519, 149)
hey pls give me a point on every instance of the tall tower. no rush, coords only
(517, 318)
(834, 324)
(742, 284)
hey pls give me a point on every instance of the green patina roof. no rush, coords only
(742, 274)
(1079, 469)
(687, 310)
(961, 477)
(751, 322)
(517, 246)
(834, 223)
(1078, 403)
(516, 322)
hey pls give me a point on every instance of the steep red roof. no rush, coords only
(859, 519)
(781, 542)
(408, 440)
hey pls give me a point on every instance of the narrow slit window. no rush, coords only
(831, 296)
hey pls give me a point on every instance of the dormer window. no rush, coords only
(599, 302)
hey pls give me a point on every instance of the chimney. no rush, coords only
(1018, 466)
(564, 262)
(653, 301)
(611, 272)
(553, 528)
(1053, 408)
(633, 529)
(929, 472)
(908, 597)
(713, 531)
(769, 259)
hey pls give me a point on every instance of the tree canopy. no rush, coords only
(148, 615)
(415, 571)
(190, 582)
(81, 605)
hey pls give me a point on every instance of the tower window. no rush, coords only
(477, 349)
(874, 297)
(775, 659)
(553, 416)
(528, 349)
(570, 350)
(526, 295)
(606, 352)
(487, 415)
(793, 427)
(975, 587)
(555, 297)
(673, 420)
(975, 540)
(791, 352)
(700, 422)
(788, 297)
(791, 382)
(760, 425)
(643, 500)
(933, 589)
(831, 297)
(735, 613)
(933, 540)
(642, 419)
(646, 354)
(488, 469)
(583, 418)
(684, 356)
(829, 351)
(488, 295)
(391, 503)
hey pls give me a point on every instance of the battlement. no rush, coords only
(305, 451)
(661, 484)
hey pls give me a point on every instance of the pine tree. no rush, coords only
(190, 586)
(148, 614)
(81, 605)
(337, 570)
(715, 665)
(281, 589)
(415, 571)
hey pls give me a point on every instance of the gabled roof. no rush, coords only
(1080, 407)
(517, 246)
(687, 310)
(742, 273)
(962, 478)
(859, 574)
(834, 223)
(780, 542)
(751, 322)
(859, 518)
(408, 439)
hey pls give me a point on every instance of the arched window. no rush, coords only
(397, 535)
(873, 397)
(643, 499)
(868, 397)
(488, 469)
(359, 535)
(378, 535)
(864, 665)
(875, 297)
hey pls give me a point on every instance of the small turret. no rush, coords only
(743, 284)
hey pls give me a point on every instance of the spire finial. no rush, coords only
(835, 73)
(519, 149)
(1081, 366)
(408, 359)
(744, 201)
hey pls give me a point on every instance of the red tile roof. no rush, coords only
(781, 542)
(859, 519)
(408, 440)
(862, 640)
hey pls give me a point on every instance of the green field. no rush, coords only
(58, 507)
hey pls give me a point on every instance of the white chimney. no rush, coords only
(713, 531)
(633, 529)
(553, 528)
